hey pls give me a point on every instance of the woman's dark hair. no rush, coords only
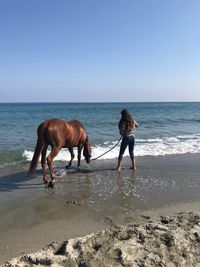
(125, 113)
(126, 120)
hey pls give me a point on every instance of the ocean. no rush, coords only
(164, 128)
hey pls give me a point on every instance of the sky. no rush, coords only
(99, 51)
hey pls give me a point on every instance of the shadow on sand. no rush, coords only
(22, 181)
(19, 181)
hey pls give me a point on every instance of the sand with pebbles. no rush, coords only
(163, 241)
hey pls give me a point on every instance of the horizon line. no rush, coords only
(87, 102)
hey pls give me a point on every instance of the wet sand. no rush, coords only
(93, 199)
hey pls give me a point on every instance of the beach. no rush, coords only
(105, 95)
(94, 199)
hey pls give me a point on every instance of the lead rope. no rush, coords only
(109, 149)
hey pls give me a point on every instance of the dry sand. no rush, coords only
(163, 241)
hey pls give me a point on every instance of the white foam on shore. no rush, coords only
(144, 147)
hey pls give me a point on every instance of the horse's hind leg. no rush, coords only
(43, 163)
(50, 158)
(72, 157)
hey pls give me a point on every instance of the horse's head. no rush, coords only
(87, 151)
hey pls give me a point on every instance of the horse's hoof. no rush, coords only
(45, 179)
(51, 184)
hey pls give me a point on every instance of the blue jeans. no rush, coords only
(130, 142)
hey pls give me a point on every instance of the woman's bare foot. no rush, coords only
(133, 168)
(119, 165)
(133, 164)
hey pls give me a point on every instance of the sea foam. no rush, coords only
(143, 147)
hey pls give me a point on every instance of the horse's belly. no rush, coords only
(70, 144)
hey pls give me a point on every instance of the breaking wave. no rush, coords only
(144, 147)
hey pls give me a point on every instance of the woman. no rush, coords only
(126, 128)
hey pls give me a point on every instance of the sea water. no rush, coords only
(164, 128)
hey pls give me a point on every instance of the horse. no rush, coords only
(59, 134)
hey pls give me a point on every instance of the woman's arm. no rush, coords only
(136, 124)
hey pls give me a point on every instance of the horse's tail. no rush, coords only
(38, 149)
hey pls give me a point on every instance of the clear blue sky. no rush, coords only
(107, 50)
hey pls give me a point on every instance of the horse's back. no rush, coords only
(54, 121)
(77, 130)
(60, 122)
(54, 131)
(76, 124)
(49, 123)
(58, 132)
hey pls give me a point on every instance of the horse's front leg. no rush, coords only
(72, 157)
(50, 158)
(79, 156)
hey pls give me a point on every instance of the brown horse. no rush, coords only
(59, 134)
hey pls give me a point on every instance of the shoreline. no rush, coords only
(94, 199)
